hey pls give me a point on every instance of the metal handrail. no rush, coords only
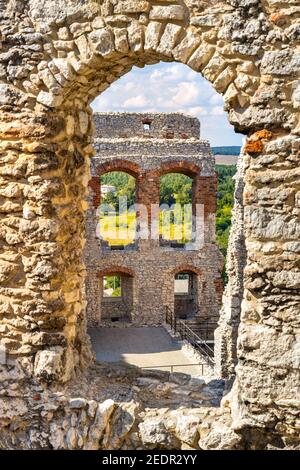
(172, 366)
(203, 326)
(197, 342)
(186, 333)
(196, 337)
(204, 329)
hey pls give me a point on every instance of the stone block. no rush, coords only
(153, 35)
(132, 6)
(170, 12)
(281, 63)
(169, 39)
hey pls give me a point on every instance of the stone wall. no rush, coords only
(114, 407)
(153, 265)
(227, 333)
(56, 57)
(159, 126)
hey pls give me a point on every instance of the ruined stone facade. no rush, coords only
(56, 57)
(171, 145)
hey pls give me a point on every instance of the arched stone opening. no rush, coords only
(110, 295)
(186, 287)
(116, 300)
(205, 293)
(202, 201)
(185, 168)
(119, 164)
(116, 165)
(176, 222)
(46, 129)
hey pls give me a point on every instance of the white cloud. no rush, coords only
(135, 102)
(129, 86)
(195, 111)
(187, 94)
(216, 99)
(171, 88)
(173, 72)
(217, 111)
(101, 103)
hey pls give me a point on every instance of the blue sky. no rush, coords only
(171, 87)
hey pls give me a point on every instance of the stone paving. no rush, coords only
(142, 347)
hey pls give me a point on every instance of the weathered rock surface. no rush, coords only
(56, 56)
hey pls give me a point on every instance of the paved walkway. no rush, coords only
(150, 347)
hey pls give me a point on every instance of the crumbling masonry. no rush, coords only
(56, 56)
(148, 269)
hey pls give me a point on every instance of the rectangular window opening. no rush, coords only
(112, 287)
(147, 126)
(182, 284)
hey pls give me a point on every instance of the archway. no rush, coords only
(117, 225)
(116, 293)
(46, 132)
(186, 295)
(179, 188)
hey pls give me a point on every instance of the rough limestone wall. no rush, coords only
(227, 332)
(56, 57)
(119, 407)
(161, 126)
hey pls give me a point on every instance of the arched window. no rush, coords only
(176, 201)
(186, 294)
(116, 288)
(117, 210)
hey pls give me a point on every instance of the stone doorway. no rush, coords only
(116, 303)
(186, 295)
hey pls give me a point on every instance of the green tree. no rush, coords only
(175, 188)
(225, 200)
(125, 186)
(129, 191)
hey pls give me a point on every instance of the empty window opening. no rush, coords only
(147, 126)
(182, 284)
(176, 201)
(117, 210)
(117, 298)
(186, 295)
(112, 287)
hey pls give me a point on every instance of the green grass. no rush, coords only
(173, 230)
(120, 229)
